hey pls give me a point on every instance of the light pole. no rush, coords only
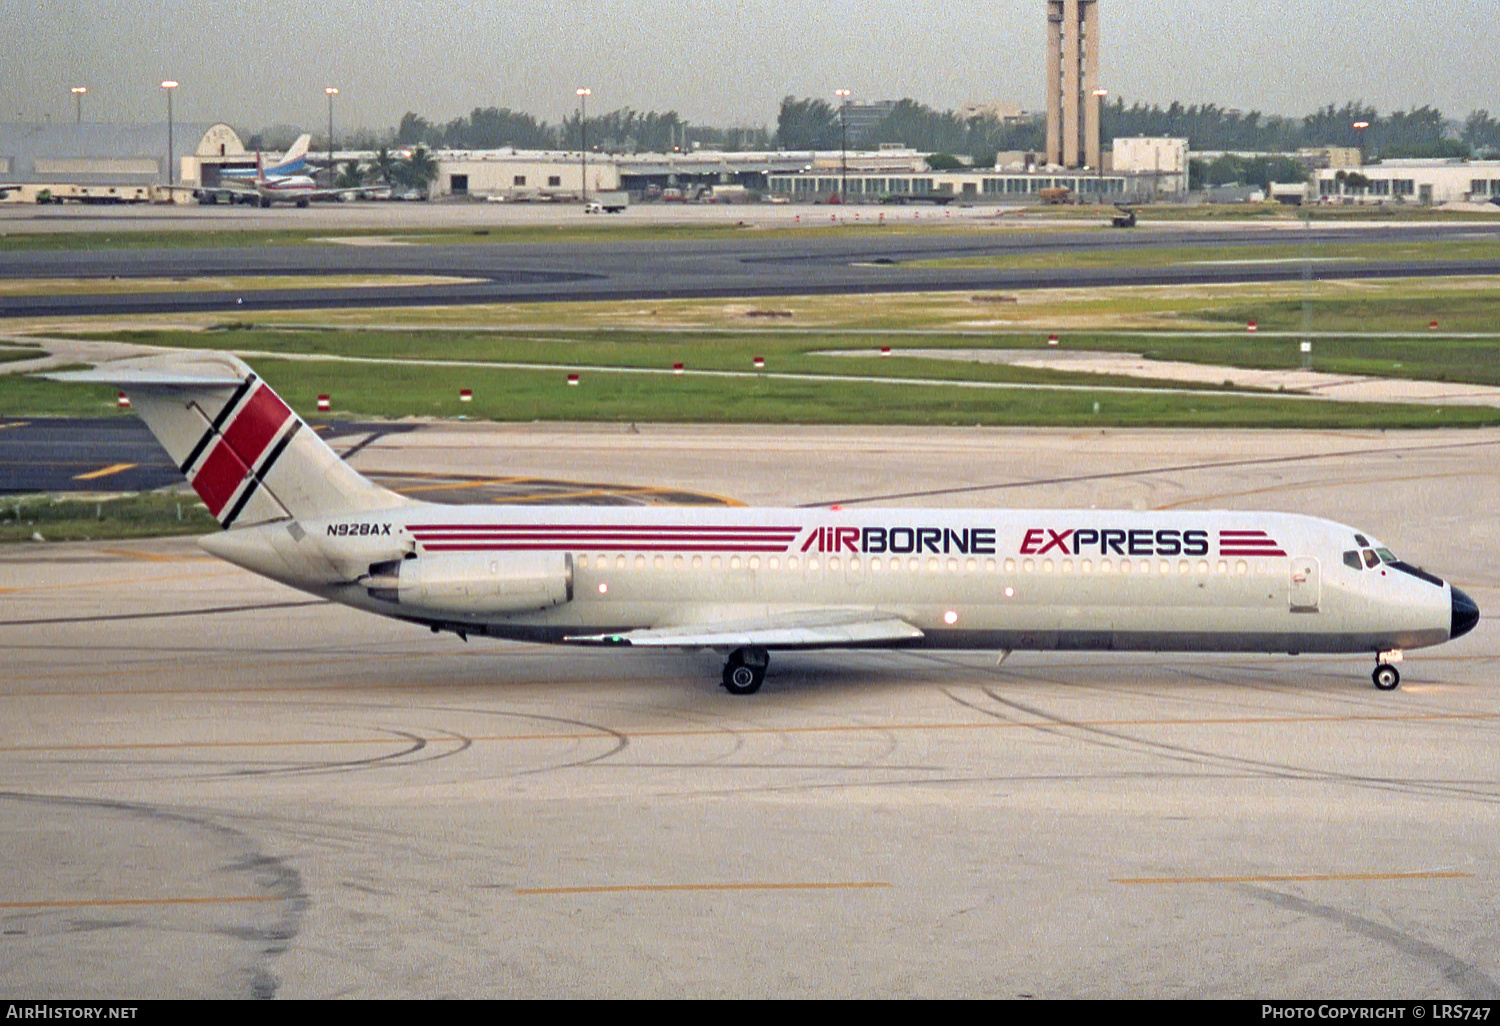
(843, 97)
(1099, 95)
(332, 92)
(583, 136)
(169, 86)
(78, 92)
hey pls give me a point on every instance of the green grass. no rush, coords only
(10, 355)
(24, 396)
(145, 515)
(523, 395)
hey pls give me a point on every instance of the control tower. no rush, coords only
(1073, 96)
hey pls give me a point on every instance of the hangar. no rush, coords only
(109, 163)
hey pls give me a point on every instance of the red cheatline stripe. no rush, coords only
(604, 527)
(635, 546)
(1256, 552)
(252, 429)
(219, 477)
(609, 539)
(1243, 534)
(1249, 543)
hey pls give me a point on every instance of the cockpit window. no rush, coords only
(1371, 560)
(1386, 555)
(1361, 541)
(1351, 560)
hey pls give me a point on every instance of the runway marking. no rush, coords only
(602, 734)
(113, 468)
(1290, 878)
(14, 424)
(132, 902)
(1304, 486)
(155, 557)
(852, 885)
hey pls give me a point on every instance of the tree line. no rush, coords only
(816, 124)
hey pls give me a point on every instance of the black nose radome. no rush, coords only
(1465, 614)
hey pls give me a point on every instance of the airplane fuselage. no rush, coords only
(1005, 579)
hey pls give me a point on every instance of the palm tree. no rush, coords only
(383, 168)
(352, 177)
(419, 170)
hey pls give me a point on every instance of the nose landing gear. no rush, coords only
(1386, 676)
(745, 670)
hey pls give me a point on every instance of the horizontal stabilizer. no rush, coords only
(125, 374)
(804, 629)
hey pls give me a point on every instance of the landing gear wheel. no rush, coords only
(1386, 677)
(745, 671)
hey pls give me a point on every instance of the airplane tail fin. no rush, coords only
(293, 160)
(247, 455)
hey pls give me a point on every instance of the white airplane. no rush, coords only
(747, 582)
(286, 181)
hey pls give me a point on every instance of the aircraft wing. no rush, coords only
(811, 628)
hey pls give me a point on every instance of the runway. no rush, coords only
(749, 263)
(218, 787)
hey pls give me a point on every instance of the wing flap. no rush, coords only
(812, 629)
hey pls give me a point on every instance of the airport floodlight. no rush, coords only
(331, 91)
(78, 92)
(584, 92)
(843, 98)
(168, 85)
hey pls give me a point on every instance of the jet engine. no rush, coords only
(474, 583)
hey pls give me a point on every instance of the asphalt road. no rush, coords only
(787, 263)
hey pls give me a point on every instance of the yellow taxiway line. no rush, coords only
(113, 468)
(853, 885)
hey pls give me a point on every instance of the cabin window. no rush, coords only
(989, 566)
(1010, 566)
(1086, 567)
(1182, 566)
(583, 562)
(659, 562)
(853, 562)
(754, 562)
(620, 562)
(676, 562)
(812, 564)
(932, 565)
(1242, 568)
(970, 565)
(1124, 566)
(640, 562)
(1165, 567)
(913, 564)
(953, 566)
(774, 563)
(1046, 566)
(791, 562)
(1029, 565)
(875, 564)
(697, 562)
(1067, 566)
(1106, 567)
(734, 562)
(1203, 566)
(716, 562)
(833, 563)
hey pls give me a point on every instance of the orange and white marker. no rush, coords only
(885, 350)
(759, 362)
(1432, 326)
(465, 395)
(1251, 328)
(1052, 340)
(324, 404)
(123, 401)
(572, 379)
(676, 368)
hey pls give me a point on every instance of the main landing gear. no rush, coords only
(1386, 676)
(746, 670)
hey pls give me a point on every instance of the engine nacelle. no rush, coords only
(475, 583)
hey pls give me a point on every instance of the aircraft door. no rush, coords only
(1306, 585)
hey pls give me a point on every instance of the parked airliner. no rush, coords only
(746, 582)
(286, 181)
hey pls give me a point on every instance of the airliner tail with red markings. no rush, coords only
(746, 581)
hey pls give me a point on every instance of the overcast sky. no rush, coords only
(722, 62)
